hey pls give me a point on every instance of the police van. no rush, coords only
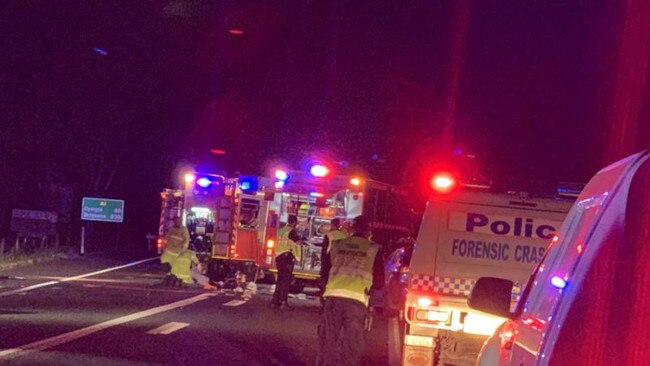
(588, 302)
(469, 232)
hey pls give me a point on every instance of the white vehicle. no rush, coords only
(467, 233)
(588, 302)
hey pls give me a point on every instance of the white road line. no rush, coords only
(83, 332)
(168, 328)
(394, 343)
(50, 283)
(234, 303)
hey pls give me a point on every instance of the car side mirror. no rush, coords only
(491, 295)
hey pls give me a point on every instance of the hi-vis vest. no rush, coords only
(333, 236)
(352, 264)
(285, 244)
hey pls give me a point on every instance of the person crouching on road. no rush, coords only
(356, 268)
(187, 268)
(177, 239)
(285, 259)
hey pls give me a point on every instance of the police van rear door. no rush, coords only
(484, 234)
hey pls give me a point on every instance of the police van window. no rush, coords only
(545, 289)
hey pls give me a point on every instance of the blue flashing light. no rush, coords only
(316, 194)
(204, 182)
(375, 157)
(319, 170)
(100, 51)
(344, 163)
(558, 282)
(248, 183)
(458, 152)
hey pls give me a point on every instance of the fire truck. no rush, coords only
(234, 222)
(467, 232)
(317, 196)
(226, 224)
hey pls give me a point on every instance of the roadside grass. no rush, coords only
(14, 259)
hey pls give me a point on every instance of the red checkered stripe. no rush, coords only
(449, 285)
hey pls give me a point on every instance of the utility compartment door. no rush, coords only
(223, 228)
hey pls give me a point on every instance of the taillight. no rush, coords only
(270, 243)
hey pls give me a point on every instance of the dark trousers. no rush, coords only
(283, 285)
(342, 332)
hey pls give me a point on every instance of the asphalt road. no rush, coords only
(65, 313)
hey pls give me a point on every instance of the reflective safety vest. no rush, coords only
(181, 266)
(285, 244)
(303, 210)
(352, 264)
(335, 235)
(178, 238)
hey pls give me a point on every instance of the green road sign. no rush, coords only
(101, 209)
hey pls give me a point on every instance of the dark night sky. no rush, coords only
(345, 79)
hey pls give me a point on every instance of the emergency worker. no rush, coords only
(335, 233)
(187, 269)
(289, 239)
(287, 253)
(356, 268)
(177, 239)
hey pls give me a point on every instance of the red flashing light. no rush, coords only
(443, 182)
(218, 152)
(355, 182)
(236, 32)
